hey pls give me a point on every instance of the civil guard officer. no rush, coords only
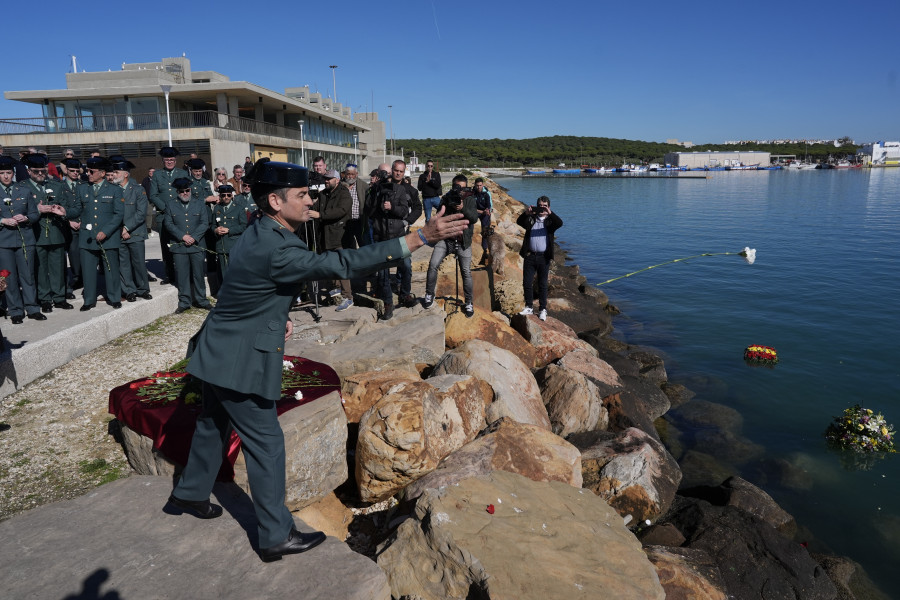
(187, 220)
(229, 220)
(202, 189)
(71, 183)
(132, 254)
(18, 211)
(161, 191)
(55, 206)
(102, 210)
(239, 350)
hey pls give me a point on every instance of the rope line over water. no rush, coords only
(747, 253)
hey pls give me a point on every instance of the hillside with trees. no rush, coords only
(575, 151)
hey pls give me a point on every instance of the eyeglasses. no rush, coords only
(94, 170)
(185, 191)
(226, 195)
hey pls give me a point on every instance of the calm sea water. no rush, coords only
(822, 293)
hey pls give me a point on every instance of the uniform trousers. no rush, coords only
(133, 268)
(51, 273)
(90, 260)
(21, 296)
(74, 253)
(189, 279)
(165, 238)
(256, 422)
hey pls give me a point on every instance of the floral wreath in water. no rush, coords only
(861, 430)
(748, 254)
(761, 355)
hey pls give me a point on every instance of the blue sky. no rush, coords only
(701, 71)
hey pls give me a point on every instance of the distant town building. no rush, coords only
(675, 142)
(882, 154)
(131, 111)
(698, 160)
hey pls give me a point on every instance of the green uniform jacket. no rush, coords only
(241, 343)
(50, 229)
(100, 211)
(161, 190)
(135, 217)
(234, 218)
(20, 201)
(186, 218)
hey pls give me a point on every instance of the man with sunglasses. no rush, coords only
(71, 183)
(132, 252)
(102, 213)
(187, 221)
(161, 192)
(229, 220)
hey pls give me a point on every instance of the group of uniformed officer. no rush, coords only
(97, 215)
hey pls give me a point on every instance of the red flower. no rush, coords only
(490, 509)
(4, 273)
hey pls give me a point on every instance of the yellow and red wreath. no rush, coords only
(760, 354)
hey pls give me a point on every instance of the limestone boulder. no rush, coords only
(328, 515)
(142, 456)
(638, 404)
(502, 535)
(505, 445)
(552, 339)
(516, 392)
(597, 370)
(650, 366)
(315, 444)
(742, 494)
(687, 574)
(573, 402)
(362, 390)
(492, 328)
(412, 427)
(629, 469)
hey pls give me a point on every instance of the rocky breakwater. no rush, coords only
(519, 458)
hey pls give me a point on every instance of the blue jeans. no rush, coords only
(404, 274)
(535, 263)
(463, 257)
(430, 203)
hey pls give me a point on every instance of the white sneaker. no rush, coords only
(429, 301)
(469, 310)
(543, 315)
(527, 311)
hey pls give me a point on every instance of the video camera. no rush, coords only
(454, 199)
(316, 184)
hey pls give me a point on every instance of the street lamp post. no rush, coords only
(333, 81)
(166, 89)
(356, 149)
(302, 153)
(391, 109)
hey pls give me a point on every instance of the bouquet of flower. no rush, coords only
(861, 430)
(763, 355)
(3, 275)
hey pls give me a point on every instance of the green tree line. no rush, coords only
(576, 151)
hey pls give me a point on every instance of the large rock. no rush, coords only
(315, 444)
(714, 429)
(516, 393)
(504, 536)
(552, 339)
(742, 494)
(573, 402)
(117, 542)
(630, 469)
(362, 390)
(755, 560)
(686, 574)
(142, 456)
(527, 450)
(638, 404)
(650, 366)
(491, 328)
(597, 370)
(412, 427)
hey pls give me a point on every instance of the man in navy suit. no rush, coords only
(238, 352)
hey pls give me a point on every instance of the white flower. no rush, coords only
(88, 226)
(298, 395)
(48, 191)
(287, 365)
(749, 255)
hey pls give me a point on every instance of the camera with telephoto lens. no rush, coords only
(454, 200)
(539, 210)
(316, 184)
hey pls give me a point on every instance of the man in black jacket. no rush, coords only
(430, 186)
(333, 211)
(540, 224)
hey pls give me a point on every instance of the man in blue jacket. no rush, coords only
(238, 352)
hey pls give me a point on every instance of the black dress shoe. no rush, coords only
(46, 307)
(17, 320)
(132, 297)
(151, 278)
(115, 304)
(181, 309)
(206, 306)
(147, 296)
(164, 282)
(38, 316)
(87, 307)
(296, 543)
(202, 509)
(70, 296)
(63, 305)
(77, 284)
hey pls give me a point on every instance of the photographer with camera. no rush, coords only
(394, 206)
(332, 209)
(540, 224)
(458, 200)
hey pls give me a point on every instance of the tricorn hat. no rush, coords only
(182, 183)
(168, 152)
(277, 174)
(98, 162)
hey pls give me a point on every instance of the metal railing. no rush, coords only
(150, 121)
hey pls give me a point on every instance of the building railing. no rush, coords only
(151, 121)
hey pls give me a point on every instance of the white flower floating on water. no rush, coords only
(749, 255)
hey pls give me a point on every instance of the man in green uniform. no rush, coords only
(202, 189)
(187, 221)
(229, 220)
(54, 205)
(102, 210)
(71, 182)
(18, 211)
(240, 348)
(132, 253)
(161, 191)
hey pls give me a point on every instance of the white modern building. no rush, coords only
(880, 154)
(699, 160)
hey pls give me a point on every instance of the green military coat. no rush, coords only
(134, 218)
(101, 210)
(50, 229)
(241, 343)
(233, 217)
(161, 190)
(186, 218)
(19, 201)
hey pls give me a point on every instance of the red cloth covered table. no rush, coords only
(170, 423)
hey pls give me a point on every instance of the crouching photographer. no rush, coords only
(458, 200)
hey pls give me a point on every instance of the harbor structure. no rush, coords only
(880, 154)
(138, 109)
(718, 159)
